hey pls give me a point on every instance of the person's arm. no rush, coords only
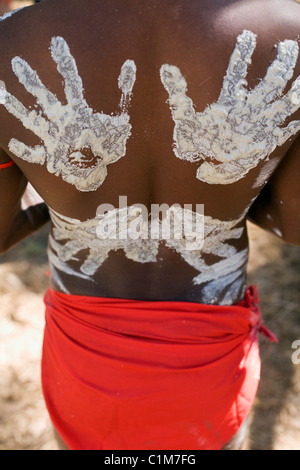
(277, 208)
(16, 223)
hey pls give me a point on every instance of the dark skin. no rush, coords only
(150, 173)
(280, 199)
(198, 37)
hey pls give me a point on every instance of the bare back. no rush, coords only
(148, 101)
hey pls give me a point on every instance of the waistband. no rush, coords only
(185, 322)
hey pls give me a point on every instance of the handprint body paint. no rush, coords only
(242, 128)
(78, 144)
(229, 139)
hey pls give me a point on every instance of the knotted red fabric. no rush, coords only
(129, 375)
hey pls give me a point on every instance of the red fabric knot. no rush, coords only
(252, 302)
(252, 299)
(261, 328)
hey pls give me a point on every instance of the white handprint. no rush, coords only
(78, 144)
(232, 135)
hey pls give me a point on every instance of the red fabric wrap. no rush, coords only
(130, 375)
(6, 165)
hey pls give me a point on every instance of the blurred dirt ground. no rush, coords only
(24, 423)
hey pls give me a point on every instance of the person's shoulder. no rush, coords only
(273, 21)
(12, 18)
(15, 26)
(288, 16)
(21, 31)
(8, 15)
(285, 22)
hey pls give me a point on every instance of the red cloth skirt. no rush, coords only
(128, 375)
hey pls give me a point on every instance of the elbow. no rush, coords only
(286, 225)
(4, 247)
(292, 240)
(2, 251)
(289, 236)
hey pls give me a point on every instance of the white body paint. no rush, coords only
(243, 127)
(229, 139)
(266, 171)
(67, 131)
(278, 232)
(228, 271)
(10, 13)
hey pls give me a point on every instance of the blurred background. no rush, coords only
(24, 423)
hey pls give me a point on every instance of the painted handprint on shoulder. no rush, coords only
(77, 143)
(243, 127)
